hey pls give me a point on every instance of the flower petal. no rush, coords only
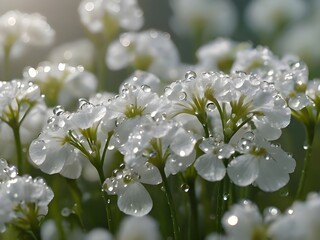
(243, 170)
(135, 201)
(271, 176)
(210, 167)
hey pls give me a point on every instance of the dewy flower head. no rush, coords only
(260, 162)
(288, 75)
(301, 221)
(67, 139)
(219, 54)
(211, 17)
(17, 98)
(69, 53)
(107, 16)
(164, 143)
(269, 16)
(243, 221)
(7, 172)
(62, 84)
(29, 29)
(133, 198)
(150, 50)
(144, 228)
(27, 197)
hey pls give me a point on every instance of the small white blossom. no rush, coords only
(243, 221)
(143, 228)
(262, 163)
(23, 28)
(63, 144)
(269, 16)
(107, 16)
(133, 198)
(62, 84)
(301, 221)
(207, 17)
(24, 196)
(150, 50)
(69, 53)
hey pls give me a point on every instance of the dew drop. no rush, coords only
(83, 103)
(167, 91)
(290, 211)
(211, 106)
(190, 75)
(249, 136)
(284, 192)
(185, 187)
(271, 213)
(65, 212)
(58, 110)
(225, 197)
(233, 220)
(146, 88)
(182, 96)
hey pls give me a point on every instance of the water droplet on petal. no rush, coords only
(83, 103)
(167, 91)
(232, 220)
(190, 75)
(146, 88)
(58, 110)
(182, 96)
(211, 106)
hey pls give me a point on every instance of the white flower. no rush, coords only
(205, 16)
(26, 196)
(7, 172)
(6, 214)
(261, 163)
(150, 50)
(243, 222)
(69, 53)
(268, 16)
(143, 228)
(62, 84)
(301, 221)
(133, 198)
(29, 29)
(164, 143)
(219, 54)
(289, 76)
(98, 234)
(299, 40)
(210, 165)
(17, 98)
(107, 16)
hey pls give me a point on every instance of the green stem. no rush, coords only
(105, 200)
(173, 214)
(17, 139)
(310, 133)
(219, 206)
(101, 68)
(76, 195)
(6, 63)
(55, 208)
(194, 226)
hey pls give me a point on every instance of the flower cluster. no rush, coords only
(24, 201)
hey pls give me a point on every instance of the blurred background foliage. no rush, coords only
(63, 17)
